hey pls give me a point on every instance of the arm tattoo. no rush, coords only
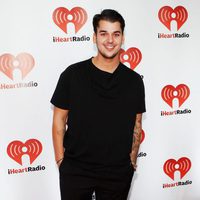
(137, 133)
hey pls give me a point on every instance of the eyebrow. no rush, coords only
(104, 31)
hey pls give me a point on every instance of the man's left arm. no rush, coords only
(136, 140)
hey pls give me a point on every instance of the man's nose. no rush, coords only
(110, 38)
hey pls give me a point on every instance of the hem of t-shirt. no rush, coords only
(140, 112)
(61, 107)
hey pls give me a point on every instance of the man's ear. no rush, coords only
(123, 39)
(94, 38)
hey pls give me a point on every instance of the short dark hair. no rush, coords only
(108, 15)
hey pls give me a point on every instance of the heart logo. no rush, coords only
(166, 14)
(181, 92)
(24, 62)
(17, 149)
(133, 56)
(62, 16)
(183, 165)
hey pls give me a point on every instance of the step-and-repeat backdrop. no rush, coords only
(39, 39)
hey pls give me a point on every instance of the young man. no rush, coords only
(101, 101)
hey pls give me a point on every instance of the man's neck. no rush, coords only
(105, 64)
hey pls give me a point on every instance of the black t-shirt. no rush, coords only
(102, 109)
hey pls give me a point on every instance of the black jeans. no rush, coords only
(78, 182)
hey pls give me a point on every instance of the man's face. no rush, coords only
(108, 39)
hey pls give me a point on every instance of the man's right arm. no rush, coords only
(58, 131)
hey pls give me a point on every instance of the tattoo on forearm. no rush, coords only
(137, 133)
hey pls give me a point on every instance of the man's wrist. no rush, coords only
(59, 161)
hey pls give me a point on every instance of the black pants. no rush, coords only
(109, 183)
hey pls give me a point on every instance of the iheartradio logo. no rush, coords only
(62, 16)
(166, 14)
(133, 56)
(181, 92)
(17, 149)
(23, 61)
(183, 165)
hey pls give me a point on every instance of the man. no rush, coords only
(101, 101)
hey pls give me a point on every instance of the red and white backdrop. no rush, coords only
(40, 39)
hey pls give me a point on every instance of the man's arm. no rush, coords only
(136, 140)
(58, 131)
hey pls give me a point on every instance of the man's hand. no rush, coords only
(58, 162)
(133, 158)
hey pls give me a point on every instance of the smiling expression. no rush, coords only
(109, 39)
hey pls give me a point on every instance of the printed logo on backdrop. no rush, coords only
(31, 148)
(132, 56)
(142, 154)
(77, 17)
(182, 166)
(23, 64)
(180, 93)
(169, 18)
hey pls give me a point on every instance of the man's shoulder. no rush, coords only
(76, 67)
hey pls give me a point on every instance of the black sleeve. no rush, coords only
(141, 100)
(61, 96)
